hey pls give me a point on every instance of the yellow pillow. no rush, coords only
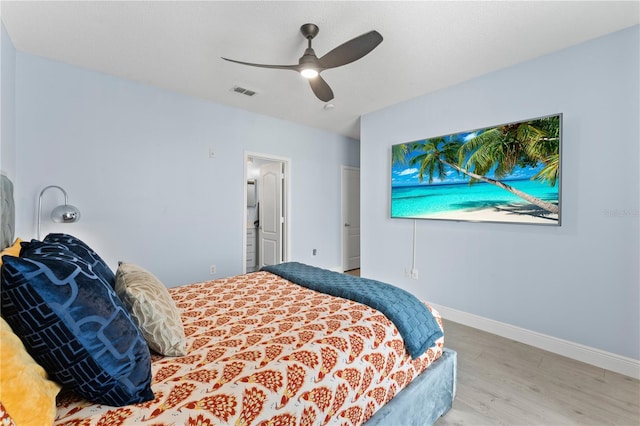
(26, 393)
(14, 250)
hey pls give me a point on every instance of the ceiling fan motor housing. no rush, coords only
(309, 57)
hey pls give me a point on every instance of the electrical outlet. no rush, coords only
(315, 251)
(212, 153)
(212, 270)
(413, 274)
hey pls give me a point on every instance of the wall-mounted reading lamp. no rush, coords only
(62, 214)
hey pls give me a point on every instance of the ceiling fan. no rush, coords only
(310, 66)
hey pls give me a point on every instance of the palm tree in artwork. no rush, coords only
(503, 148)
(399, 153)
(500, 149)
(434, 155)
(546, 150)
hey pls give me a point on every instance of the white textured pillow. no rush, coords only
(152, 308)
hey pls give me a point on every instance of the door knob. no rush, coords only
(346, 224)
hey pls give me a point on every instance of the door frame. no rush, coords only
(342, 215)
(286, 196)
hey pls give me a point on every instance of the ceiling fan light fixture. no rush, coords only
(309, 73)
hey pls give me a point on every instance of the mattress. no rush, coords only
(265, 351)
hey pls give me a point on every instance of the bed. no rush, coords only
(260, 349)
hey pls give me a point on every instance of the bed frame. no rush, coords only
(428, 397)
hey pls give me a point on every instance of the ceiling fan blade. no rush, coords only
(280, 67)
(352, 50)
(321, 89)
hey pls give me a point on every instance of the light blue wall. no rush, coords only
(135, 160)
(7, 103)
(578, 282)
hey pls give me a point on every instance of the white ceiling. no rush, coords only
(428, 45)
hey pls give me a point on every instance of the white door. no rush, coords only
(350, 218)
(270, 214)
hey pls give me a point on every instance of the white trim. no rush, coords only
(287, 197)
(603, 359)
(245, 175)
(342, 218)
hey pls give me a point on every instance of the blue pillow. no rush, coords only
(35, 248)
(74, 325)
(81, 249)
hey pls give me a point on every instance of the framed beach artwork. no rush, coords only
(505, 173)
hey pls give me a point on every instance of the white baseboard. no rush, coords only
(603, 359)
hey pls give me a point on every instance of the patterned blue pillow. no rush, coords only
(76, 327)
(85, 253)
(36, 248)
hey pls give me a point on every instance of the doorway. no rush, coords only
(267, 213)
(350, 218)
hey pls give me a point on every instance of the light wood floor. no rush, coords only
(503, 382)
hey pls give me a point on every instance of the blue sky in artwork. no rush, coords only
(408, 175)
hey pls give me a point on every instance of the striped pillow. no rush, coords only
(152, 308)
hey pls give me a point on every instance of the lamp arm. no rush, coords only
(40, 203)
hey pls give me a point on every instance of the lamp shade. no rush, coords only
(65, 214)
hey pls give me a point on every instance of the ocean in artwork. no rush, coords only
(423, 200)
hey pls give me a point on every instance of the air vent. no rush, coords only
(243, 91)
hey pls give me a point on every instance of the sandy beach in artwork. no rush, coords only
(515, 213)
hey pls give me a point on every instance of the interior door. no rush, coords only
(270, 214)
(351, 218)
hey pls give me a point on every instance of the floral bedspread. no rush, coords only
(264, 351)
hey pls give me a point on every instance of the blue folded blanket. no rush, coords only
(412, 318)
